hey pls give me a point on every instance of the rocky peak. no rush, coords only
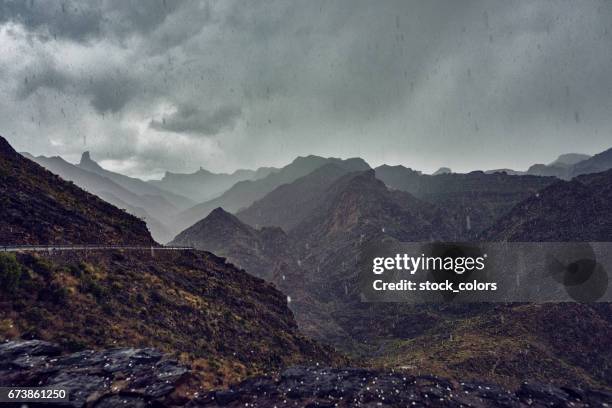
(88, 163)
(219, 215)
(442, 170)
(6, 149)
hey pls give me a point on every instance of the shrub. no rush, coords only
(10, 272)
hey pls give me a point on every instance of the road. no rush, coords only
(51, 248)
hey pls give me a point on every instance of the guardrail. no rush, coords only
(50, 248)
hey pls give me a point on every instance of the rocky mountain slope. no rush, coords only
(204, 185)
(264, 251)
(228, 323)
(39, 207)
(245, 193)
(576, 210)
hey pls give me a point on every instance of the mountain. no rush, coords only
(475, 199)
(360, 205)
(134, 185)
(224, 234)
(442, 170)
(314, 263)
(570, 159)
(561, 168)
(575, 210)
(160, 231)
(39, 207)
(598, 163)
(317, 265)
(149, 208)
(245, 193)
(289, 204)
(204, 185)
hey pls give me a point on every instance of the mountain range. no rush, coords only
(307, 237)
(150, 208)
(170, 205)
(567, 166)
(244, 193)
(293, 240)
(222, 321)
(204, 185)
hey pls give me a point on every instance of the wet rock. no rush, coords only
(125, 377)
(129, 377)
(312, 387)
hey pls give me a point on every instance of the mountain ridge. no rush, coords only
(39, 207)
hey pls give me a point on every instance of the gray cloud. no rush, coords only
(461, 84)
(189, 119)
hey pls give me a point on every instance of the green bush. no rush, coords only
(10, 272)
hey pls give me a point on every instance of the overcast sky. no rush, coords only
(156, 85)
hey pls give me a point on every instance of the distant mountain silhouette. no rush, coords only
(245, 193)
(132, 184)
(442, 170)
(598, 163)
(561, 167)
(150, 208)
(204, 185)
(575, 210)
(39, 207)
(570, 159)
(289, 204)
(474, 199)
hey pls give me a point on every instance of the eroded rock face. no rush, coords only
(132, 377)
(114, 377)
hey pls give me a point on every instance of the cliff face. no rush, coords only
(39, 207)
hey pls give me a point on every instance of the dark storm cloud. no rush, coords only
(189, 119)
(107, 92)
(82, 21)
(54, 19)
(470, 84)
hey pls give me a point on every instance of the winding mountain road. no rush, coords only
(51, 248)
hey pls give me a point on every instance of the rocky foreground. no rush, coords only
(130, 377)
